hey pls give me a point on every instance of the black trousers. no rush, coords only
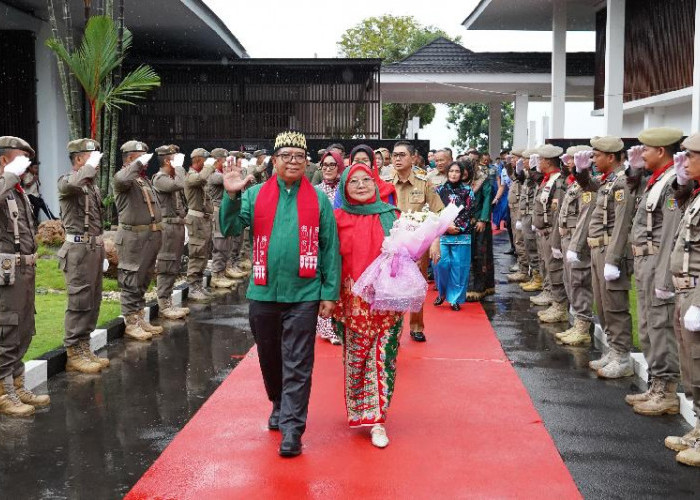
(285, 334)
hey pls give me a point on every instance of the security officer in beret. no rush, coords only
(574, 217)
(82, 255)
(199, 222)
(608, 233)
(685, 268)
(169, 185)
(519, 273)
(653, 229)
(138, 238)
(222, 245)
(259, 166)
(413, 192)
(239, 265)
(529, 179)
(17, 273)
(548, 199)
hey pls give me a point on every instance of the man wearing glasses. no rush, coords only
(414, 192)
(296, 276)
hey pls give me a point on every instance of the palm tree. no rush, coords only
(94, 61)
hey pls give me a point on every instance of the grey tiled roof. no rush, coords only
(444, 56)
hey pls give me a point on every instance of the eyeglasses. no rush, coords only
(359, 182)
(288, 157)
(329, 166)
(399, 155)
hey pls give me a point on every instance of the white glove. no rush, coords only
(610, 272)
(94, 159)
(519, 166)
(565, 158)
(556, 253)
(680, 160)
(572, 256)
(209, 162)
(105, 266)
(187, 236)
(178, 160)
(518, 225)
(634, 156)
(144, 159)
(18, 166)
(583, 160)
(533, 228)
(691, 320)
(535, 162)
(663, 294)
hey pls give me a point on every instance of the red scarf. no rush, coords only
(659, 172)
(570, 180)
(19, 188)
(308, 213)
(546, 177)
(604, 177)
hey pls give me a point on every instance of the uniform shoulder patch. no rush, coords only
(422, 177)
(586, 197)
(671, 204)
(620, 195)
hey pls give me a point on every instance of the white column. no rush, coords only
(653, 117)
(545, 129)
(614, 66)
(532, 135)
(495, 129)
(520, 126)
(558, 68)
(695, 117)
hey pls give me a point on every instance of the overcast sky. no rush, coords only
(311, 28)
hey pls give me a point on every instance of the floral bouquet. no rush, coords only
(393, 282)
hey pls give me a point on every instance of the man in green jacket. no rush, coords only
(295, 279)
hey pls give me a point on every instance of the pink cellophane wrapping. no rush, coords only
(393, 281)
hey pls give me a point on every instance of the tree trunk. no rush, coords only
(64, 76)
(76, 96)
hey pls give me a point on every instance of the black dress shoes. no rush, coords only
(273, 423)
(418, 336)
(438, 301)
(290, 446)
(455, 307)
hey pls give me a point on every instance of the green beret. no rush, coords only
(10, 142)
(168, 149)
(83, 146)
(577, 149)
(517, 151)
(549, 151)
(692, 142)
(199, 153)
(259, 153)
(219, 153)
(660, 136)
(134, 147)
(607, 144)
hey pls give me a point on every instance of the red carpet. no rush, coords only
(461, 426)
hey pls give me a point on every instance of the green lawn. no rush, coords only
(50, 312)
(51, 307)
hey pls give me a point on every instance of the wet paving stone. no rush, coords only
(102, 432)
(610, 451)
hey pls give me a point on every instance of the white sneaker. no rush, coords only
(379, 437)
(620, 367)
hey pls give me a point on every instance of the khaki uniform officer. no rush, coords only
(222, 245)
(574, 218)
(685, 267)
(548, 199)
(520, 274)
(169, 185)
(527, 203)
(82, 255)
(198, 221)
(17, 272)
(138, 238)
(239, 264)
(413, 192)
(608, 233)
(653, 229)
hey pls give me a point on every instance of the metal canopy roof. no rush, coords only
(530, 15)
(168, 29)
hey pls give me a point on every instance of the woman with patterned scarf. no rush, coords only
(481, 278)
(370, 338)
